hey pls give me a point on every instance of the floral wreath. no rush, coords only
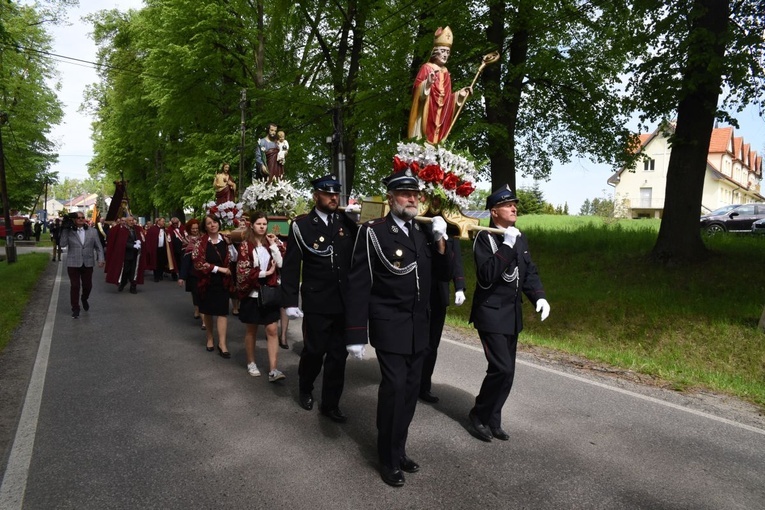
(277, 197)
(441, 173)
(228, 213)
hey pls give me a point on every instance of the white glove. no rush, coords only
(544, 307)
(439, 229)
(353, 208)
(293, 312)
(356, 350)
(511, 234)
(459, 297)
(137, 245)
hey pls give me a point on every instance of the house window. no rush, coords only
(649, 165)
(645, 197)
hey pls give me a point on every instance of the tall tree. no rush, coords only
(30, 103)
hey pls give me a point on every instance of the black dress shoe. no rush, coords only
(85, 305)
(336, 415)
(392, 476)
(429, 398)
(480, 430)
(306, 401)
(224, 354)
(121, 287)
(499, 433)
(133, 289)
(408, 465)
(284, 345)
(75, 314)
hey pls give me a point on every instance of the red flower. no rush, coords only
(431, 173)
(415, 166)
(451, 181)
(398, 164)
(465, 189)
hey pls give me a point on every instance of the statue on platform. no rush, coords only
(267, 155)
(225, 187)
(434, 105)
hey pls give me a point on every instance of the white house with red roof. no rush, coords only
(733, 175)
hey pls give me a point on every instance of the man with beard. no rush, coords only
(388, 301)
(320, 244)
(125, 261)
(266, 154)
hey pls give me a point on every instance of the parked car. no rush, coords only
(18, 227)
(758, 227)
(738, 218)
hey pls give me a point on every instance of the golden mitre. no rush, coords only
(443, 37)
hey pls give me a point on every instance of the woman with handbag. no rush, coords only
(257, 278)
(212, 259)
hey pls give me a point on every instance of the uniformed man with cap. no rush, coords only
(504, 271)
(319, 247)
(388, 303)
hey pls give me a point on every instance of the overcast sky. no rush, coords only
(572, 183)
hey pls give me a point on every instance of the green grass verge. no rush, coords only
(18, 280)
(694, 326)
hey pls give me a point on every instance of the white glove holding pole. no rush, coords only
(544, 307)
(356, 350)
(439, 229)
(459, 297)
(293, 312)
(137, 245)
(511, 234)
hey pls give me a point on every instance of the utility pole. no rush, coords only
(339, 140)
(10, 246)
(242, 107)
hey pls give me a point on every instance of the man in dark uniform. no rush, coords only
(439, 301)
(504, 270)
(394, 260)
(322, 243)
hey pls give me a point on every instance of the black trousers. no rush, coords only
(159, 270)
(500, 353)
(396, 403)
(128, 270)
(437, 320)
(323, 345)
(76, 276)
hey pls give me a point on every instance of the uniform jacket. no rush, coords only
(324, 254)
(389, 286)
(503, 275)
(152, 242)
(80, 254)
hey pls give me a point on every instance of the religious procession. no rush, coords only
(377, 274)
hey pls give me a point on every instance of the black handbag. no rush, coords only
(269, 297)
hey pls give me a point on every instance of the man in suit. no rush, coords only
(83, 252)
(504, 271)
(321, 244)
(388, 301)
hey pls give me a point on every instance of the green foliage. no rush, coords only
(30, 104)
(693, 327)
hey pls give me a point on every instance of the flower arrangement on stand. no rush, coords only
(277, 197)
(229, 213)
(443, 174)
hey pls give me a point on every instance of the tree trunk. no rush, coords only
(503, 100)
(679, 238)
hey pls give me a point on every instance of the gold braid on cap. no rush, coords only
(443, 37)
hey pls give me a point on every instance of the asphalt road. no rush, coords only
(124, 408)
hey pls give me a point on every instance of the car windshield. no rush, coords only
(723, 210)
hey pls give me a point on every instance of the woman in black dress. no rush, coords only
(211, 263)
(186, 277)
(258, 265)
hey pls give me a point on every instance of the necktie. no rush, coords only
(329, 220)
(408, 226)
